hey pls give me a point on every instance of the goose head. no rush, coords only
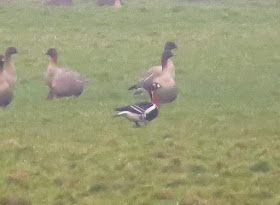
(52, 53)
(10, 51)
(154, 87)
(170, 45)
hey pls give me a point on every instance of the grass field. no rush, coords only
(218, 143)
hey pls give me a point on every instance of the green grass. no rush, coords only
(218, 143)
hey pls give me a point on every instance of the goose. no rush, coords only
(6, 93)
(142, 112)
(155, 71)
(9, 73)
(63, 82)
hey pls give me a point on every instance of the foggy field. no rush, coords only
(218, 143)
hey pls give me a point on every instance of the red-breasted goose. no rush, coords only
(6, 92)
(142, 112)
(63, 82)
(155, 71)
(9, 72)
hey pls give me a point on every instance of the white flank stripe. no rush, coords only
(137, 108)
(123, 112)
(140, 108)
(150, 109)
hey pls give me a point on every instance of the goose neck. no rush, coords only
(166, 63)
(10, 68)
(1, 66)
(54, 60)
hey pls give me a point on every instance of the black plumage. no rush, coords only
(151, 115)
(139, 112)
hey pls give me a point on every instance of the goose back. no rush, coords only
(9, 73)
(69, 83)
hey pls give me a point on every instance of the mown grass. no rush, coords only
(218, 143)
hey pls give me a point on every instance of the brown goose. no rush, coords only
(155, 71)
(62, 82)
(9, 73)
(6, 92)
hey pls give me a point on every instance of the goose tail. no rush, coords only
(133, 87)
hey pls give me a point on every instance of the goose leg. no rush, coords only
(137, 125)
(50, 95)
(146, 123)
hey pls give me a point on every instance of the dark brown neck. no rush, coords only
(1, 66)
(8, 57)
(9, 66)
(164, 63)
(54, 59)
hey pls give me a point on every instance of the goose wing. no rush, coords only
(138, 108)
